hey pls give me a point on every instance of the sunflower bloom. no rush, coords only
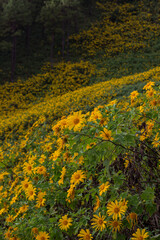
(116, 209)
(76, 121)
(132, 219)
(150, 93)
(85, 235)
(156, 141)
(28, 168)
(106, 134)
(98, 222)
(134, 94)
(70, 193)
(10, 218)
(35, 231)
(24, 208)
(140, 235)
(97, 204)
(77, 177)
(42, 236)
(56, 129)
(63, 172)
(65, 222)
(31, 192)
(149, 85)
(40, 199)
(115, 225)
(41, 170)
(8, 234)
(95, 115)
(25, 184)
(103, 188)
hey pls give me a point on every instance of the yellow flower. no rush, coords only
(28, 168)
(154, 102)
(150, 93)
(85, 235)
(9, 218)
(31, 192)
(116, 209)
(40, 199)
(25, 184)
(71, 193)
(106, 134)
(156, 141)
(97, 204)
(149, 85)
(55, 155)
(103, 188)
(111, 103)
(24, 208)
(134, 94)
(98, 222)
(65, 222)
(41, 170)
(56, 128)
(96, 114)
(115, 225)
(42, 236)
(35, 230)
(42, 159)
(8, 234)
(77, 177)
(62, 176)
(81, 160)
(132, 218)
(76, 121)
(140, 235)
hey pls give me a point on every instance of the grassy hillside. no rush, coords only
(80, 142)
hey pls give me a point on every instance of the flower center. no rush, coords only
(65, 222)
(133, 216)
(26, 185)
(116, 210)
(87, 237)
(140, 238)
(102, 187)
(115, 224)
(29, 168)
(77, 176)
(76, 121)
(100, 221)
(31, 193)
(43, 238)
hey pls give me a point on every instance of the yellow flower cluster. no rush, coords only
(64, 77)
(84, 98)
(123, 28)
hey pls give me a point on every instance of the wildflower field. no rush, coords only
(80, 152)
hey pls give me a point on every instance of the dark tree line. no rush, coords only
(28, 26)
(51, 20)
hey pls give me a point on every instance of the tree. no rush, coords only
(15, 16)
(57, 15)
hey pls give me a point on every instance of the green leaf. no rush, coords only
(151, 208)
(148, 195)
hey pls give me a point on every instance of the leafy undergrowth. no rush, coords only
(89, 176)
